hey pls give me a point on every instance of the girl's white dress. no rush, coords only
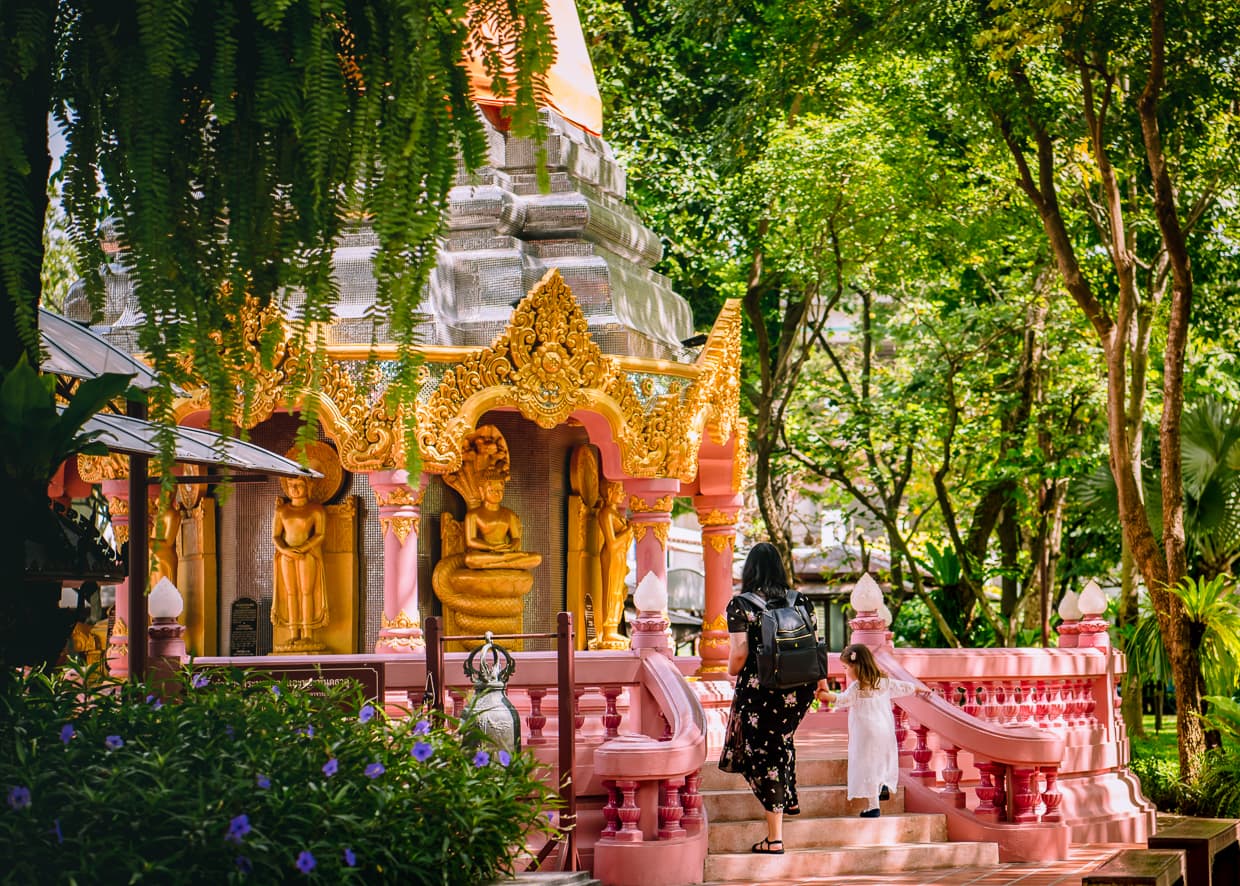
(873, 759)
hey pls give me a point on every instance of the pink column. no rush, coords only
(400, 510)
(717, 515)
(650, 515)
(117, 492)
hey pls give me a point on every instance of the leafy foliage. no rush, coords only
(235, 780)
(232, 142)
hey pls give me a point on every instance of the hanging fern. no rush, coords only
(232, 142)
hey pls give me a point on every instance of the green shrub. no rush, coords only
(1160, 780)
(245, 780)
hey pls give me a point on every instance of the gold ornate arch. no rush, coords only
(546, 365)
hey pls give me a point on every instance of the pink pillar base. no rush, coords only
(717, 516)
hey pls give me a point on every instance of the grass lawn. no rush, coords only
(1163, 745)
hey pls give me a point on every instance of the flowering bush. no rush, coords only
(241, 780)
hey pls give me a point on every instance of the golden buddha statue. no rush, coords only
(483, 573)
(167, 528)
(617, 536)
(299, 603)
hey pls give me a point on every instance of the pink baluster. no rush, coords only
(693, 820)
(921, 756)
(1000, 797)
(1024, 711)
(1050, 795)
(985, 792)
(611, 814)
(1041, 708)
(629, 812)
(579, 718)
(986, 696)
(611, 717)
(1010, 702)
(947, 691)
(1054, 703)
(670, 810)
(416, 698)
(536, 720)
(951, 778)
(970, 700)
(901, 727)
(458, 702)
(1001, 694)
(1024, 799)
(1091, 704)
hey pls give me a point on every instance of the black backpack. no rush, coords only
(789, 654)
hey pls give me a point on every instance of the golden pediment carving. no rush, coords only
(547, 366)
(280, 373)
(97, 468)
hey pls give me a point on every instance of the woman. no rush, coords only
(759, 740)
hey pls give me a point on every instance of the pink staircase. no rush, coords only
(827, 839)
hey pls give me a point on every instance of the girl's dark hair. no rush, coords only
(764, 573)
(864, 665)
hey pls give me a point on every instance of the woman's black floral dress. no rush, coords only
(759, 736)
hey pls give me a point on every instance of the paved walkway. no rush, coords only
(1068, 872)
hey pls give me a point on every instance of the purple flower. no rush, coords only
(262, 781)
(244, 864)
(275, 690)
(114, 742)
(504, 758)
(60, 838)
(67, 732)
(155, 702)
(228, 730)
(19, 797)
(198, 681)
(349, 858)
(366, 714)
(305, 861)
(374, 770)
(308, 732)
(237, 829)
(423, 728)
(422, 752)
(481, 759)
(330, 767)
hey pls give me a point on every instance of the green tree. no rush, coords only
(1119, 120)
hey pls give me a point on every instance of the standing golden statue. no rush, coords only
(617, 537)
(166, 529)
(483, 573)
(300, 599)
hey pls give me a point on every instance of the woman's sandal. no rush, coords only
(763, 847)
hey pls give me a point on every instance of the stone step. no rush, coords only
(794, 864)
(817, 801)
(549, 878)
(801, 832)
(810, 771)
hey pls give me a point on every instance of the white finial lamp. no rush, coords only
(650, 626)
(1093, 627)
(869, 625)
(1070, 623)
(167, 637)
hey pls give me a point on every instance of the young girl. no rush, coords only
(873, 758)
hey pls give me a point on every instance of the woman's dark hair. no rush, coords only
(764, 573)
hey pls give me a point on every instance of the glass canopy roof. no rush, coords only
(78, 352)
(123, 433)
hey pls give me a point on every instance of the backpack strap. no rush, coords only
(754, 599)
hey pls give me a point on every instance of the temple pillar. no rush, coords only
(400, 511)
(717, 515)
(117, 492)
(650, 515)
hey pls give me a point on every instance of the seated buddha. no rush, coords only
(493, 533)
(483, 573)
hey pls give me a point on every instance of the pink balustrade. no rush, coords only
(1024, 747)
